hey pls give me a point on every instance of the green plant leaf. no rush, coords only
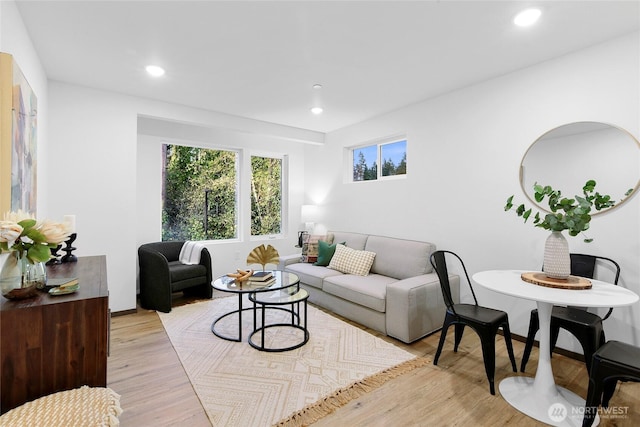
(509, 204)
(38, 253)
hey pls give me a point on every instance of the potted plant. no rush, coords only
(571, 214)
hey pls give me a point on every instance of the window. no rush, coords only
(391, 155)
(200, 193)
(266, 196)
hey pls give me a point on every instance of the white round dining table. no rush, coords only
(540, 397)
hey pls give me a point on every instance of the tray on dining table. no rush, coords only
(541, 279)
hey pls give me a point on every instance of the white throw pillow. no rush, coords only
(352, 261)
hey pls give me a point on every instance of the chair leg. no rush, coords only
(534, 325)
(608, 389)
(443, 336)
(507, 340)
(489, 356)
(555, 332)
(458, 337)
(593, 400)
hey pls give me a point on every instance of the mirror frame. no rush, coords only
(542, 208)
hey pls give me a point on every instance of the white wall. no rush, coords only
(105, 173)
(464, 154)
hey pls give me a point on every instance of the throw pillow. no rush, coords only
(310, 247)
(352, 261)
(325, 253)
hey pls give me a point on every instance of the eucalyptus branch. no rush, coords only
(571, 214)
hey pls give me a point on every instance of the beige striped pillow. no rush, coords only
(352, 261)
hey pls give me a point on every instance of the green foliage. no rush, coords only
(389, 168)
(266, 196)
(571, 214)
(362, 172)
(190, 175)
(200, 194)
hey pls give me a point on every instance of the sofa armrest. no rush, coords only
(415, 306)
(288, 260)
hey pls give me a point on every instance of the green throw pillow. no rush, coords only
(325, 253)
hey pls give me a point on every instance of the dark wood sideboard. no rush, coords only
(54, 343)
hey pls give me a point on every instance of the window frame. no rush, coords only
(243, 190)
(238, 180)
(379, 143)
(284, 192)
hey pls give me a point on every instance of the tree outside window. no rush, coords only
(199, 193)
(392, 156)
(266, 196)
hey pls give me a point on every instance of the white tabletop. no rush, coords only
(601, 294)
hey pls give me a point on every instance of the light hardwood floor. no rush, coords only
(155, 391)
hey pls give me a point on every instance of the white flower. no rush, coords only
(17, 216)
(53, 232)
(9, 232)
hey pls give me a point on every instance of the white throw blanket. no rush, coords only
(190, 252)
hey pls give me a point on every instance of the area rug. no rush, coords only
(241, 386)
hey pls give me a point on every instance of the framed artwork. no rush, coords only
(18, 139)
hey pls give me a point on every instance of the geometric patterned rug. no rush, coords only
(241, 386)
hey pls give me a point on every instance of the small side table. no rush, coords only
(273, 301)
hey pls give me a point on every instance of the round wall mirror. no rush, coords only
(568, 156)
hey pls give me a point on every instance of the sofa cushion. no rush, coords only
(352, 261)
(181, 271)
(310, 274)
(400, 258)
(310, 246)
(369, 291)
(325, 253)
(352, 240)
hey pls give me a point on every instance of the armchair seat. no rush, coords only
(189, 274)
(161, 274)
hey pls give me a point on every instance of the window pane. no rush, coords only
(365, 165)
(266, 196)
(199, 193)
(394, 158)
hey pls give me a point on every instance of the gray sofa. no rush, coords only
(400, 296)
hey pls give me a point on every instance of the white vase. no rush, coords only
(557, 262)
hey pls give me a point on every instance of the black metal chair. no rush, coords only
(585, 326)
(612, 362)
(483, 320)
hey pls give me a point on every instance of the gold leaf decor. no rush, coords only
(263, 255)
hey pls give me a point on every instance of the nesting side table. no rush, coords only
(275, 300)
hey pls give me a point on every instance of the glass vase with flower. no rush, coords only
(27, 244)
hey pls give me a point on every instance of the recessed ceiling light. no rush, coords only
(154, 70)
(317, 86)
(317, 110)
(527, 17)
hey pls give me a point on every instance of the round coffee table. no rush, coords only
(229, 284)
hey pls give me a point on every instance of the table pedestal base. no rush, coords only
(565, 408)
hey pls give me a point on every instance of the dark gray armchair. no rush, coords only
(161, 274)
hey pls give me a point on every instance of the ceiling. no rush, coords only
(260, 59)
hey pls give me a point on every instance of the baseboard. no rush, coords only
(123, 312)
(536, 343)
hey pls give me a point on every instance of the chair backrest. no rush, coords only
(584, 265)
(439, 263)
